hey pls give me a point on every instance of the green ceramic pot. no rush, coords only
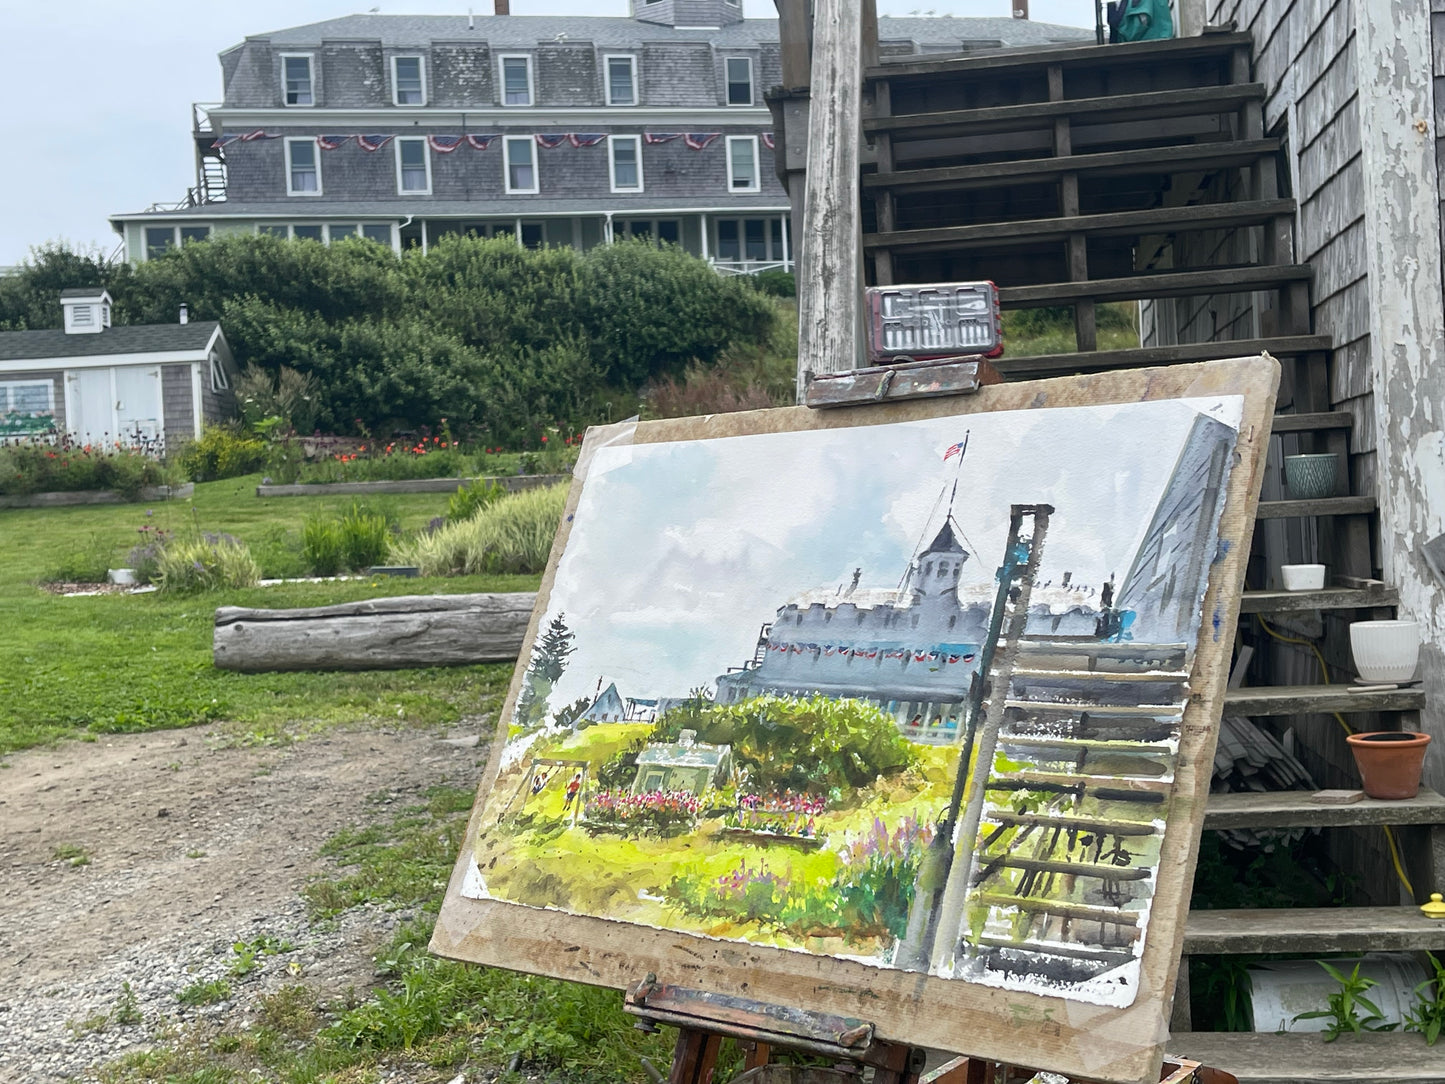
(1311, 477)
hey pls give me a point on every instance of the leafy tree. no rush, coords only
(804, 743)
(31, 299)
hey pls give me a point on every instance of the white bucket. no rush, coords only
(1282, 989)
(122, 577)
(1302, 577)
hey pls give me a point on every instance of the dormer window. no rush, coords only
(406, 81)
(621, 80)
(296, 79)
(740, 80)
(517, 80)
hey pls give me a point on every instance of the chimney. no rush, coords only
(502, 7)
(185, 316)
(1021, 9)
(471, 21)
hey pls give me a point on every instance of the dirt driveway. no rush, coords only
(141, 859)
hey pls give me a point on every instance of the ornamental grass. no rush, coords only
(513, 534)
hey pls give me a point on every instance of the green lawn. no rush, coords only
(78, 666)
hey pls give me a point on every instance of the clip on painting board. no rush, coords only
(924, 341)
(896, 717)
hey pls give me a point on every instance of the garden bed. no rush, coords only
(513, 483)
(96, 496)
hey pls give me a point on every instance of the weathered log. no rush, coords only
(378, 634)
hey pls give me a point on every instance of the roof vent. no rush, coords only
(87, 311)
(185, 314)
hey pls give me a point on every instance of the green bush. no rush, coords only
(67, 466)
(209, 563)
(86, 563)
(512, 535)
(286, 398)
(776, 283)
(471, 498)
(359, 539)
(223, 451)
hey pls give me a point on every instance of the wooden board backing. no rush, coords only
(1118, 1046)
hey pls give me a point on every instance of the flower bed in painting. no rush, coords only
(787, 814)
(662, 812)
(867, 898)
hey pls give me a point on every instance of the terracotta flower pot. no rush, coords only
(1389, 761)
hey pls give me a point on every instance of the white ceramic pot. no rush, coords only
(123, 577)
(1302, 577)
(1385, 650)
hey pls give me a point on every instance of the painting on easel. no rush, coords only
(906, 694)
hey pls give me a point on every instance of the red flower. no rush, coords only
(544, 440)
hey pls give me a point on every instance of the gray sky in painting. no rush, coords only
(99, 93)
(679, 552)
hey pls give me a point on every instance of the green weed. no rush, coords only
(1345, 1005)
(205, 993)
(72, 854)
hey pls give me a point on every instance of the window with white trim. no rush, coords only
(624, 162)
(27, 407)
(413, 166)
(296, 88)
(338, 232)
(516, 79)
(377, 231)
(303, 167)
(621, 80)
(219, 380)
(752, 239)
(195, 233)
(660, 230)
(306, 233)
(282, 232)
(743, 164)
(740, 80)
(158, 240)
(408, 81)
(519, 165)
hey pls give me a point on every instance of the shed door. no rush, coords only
(138, 403)
(92, 414)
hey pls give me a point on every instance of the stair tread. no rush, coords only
(1294, 809)
(1206, 216)
(1323, 506)
(1327, 598)
(1308, 699)
(1179, 158)
(1227, 280)
(1324, 419)
(1144, 105)
(1312, 929)
(1028, 366)
(1305, 1058)
(988, 63)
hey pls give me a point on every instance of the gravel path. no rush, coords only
(191, 846)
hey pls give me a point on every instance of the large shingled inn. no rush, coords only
(565, 130)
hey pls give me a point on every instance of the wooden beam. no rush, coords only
(1225, 280)
(1149, 105)
(1312, 929)
(1313, 699)
(992, 62)
(1296, 809)
(1208, 216)
(1330, 598)
(830, 285)
(795, 33)
(1303, 1058)
(1147, 160)
(1031, 366)
(1325, 506)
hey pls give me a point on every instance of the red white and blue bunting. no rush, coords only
(951, 658)
(446, 144)
(244, 137)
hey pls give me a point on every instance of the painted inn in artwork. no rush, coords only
(907, 694)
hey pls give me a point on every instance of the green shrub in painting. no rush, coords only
(513, 534)
(223, 451)
(832, 743)
(208, 563)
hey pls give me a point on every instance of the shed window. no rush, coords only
(219, 382)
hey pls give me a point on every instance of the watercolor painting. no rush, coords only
(907, 694)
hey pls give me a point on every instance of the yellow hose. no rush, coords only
(1325, 674)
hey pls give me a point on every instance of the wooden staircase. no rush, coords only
(1079, 175)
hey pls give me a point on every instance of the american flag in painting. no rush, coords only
(587, 139)
(661, 137)
(443, 144)
(698, 140)
(331, 142)
(551, 140)
(373, 142)
(480, 142)
(954, 449)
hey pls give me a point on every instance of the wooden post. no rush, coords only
(829, 294)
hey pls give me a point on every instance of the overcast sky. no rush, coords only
(694, 555)
(99, 93)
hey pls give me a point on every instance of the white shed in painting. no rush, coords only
(143, 385)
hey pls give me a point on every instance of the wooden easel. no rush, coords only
(704, 1019)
